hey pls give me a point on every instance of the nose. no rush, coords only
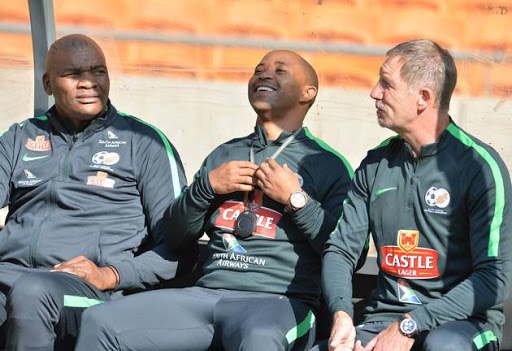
(376, 92)
(87, 80)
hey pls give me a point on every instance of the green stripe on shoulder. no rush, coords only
(80, 301)
(170, 154)
(326, 147)
(21, 124)
(499, 206)
(387, 141)
(484, 339)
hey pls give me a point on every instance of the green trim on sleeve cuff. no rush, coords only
(484, 339)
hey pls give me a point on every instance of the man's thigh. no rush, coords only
(166, 319)
(461, 335)
(44, 305)
(259, 321)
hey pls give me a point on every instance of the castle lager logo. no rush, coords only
(408, 239)
(407, 260)
(40, 144)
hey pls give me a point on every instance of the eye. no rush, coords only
(257, 71)
(100, 72)
(280, 70)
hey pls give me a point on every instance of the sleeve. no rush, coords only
(7, 140)
(187, 214)
(317, 219)
(344, 247)
(160, 181)
(490, 222)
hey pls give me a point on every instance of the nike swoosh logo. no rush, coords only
(28, 158)
(384, 190)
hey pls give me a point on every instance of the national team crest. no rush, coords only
(408, 239)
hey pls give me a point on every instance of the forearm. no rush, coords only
(185, 218)
(478, 293)
(337, 282)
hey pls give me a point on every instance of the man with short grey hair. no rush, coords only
(437, 202)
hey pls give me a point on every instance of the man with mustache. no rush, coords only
(437, 202)
(268, 202)
(87, 187)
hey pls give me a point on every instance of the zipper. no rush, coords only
(413, 182)
(51, 203)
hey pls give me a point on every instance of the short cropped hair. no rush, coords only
(424, 62)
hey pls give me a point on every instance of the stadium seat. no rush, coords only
(322, 23)
(250, 19)
(490, 32)
(349, 71)
(96, 13)
(164, 59)
(405, 24)
(16, 50)
(190, 17)
(14, 11)
(472, 78)
(438, 6)
(235, 63)
(470, 7)
(501, 79)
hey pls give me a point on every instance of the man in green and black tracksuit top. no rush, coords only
(87, 187)
(267, 226)
(438, 204)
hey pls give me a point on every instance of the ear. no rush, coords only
(425, 98)
(308, 94)
(46, 84)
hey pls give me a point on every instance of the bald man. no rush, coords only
(268, 202)
(86, 186)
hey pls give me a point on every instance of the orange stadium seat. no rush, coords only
(189, 16)
(14, 11)
(490, 32)
(496, 7)
(93, 13)
(164, 59)
(350, 71)
(236, 63)
(16, 50)
(382, 6)
(253, 19)
(405, 24)
(336, 23)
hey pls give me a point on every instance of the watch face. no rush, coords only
(298, 199)
(408, 326)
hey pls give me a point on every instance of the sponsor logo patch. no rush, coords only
(31, 179)
(105, 158)
(231, 243)
(40, 144)
(437, 199)
(407, 260)
(111, 135)
(406, 294)
(101, 179)
(266, 224)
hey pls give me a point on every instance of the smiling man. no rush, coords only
(268, 202)
(86, 186)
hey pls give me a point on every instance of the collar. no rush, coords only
(433, 148)
(261, 139)
(100, 122)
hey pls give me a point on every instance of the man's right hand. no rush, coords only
(343, 333)
(233, 176)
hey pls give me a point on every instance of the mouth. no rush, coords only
(88, 99)
(264, 88)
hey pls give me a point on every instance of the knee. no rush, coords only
(30, 289)
(446, 340)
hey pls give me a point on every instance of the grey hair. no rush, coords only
(425, 62)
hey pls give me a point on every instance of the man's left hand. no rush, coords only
(102, 278)
(390, 339)
(276, 181)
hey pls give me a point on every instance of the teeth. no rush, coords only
(264, 89)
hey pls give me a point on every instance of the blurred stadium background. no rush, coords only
(183, 65)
